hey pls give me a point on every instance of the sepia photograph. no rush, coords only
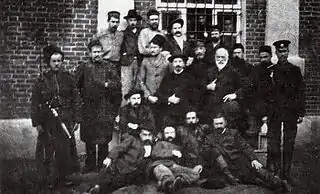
(159, 96)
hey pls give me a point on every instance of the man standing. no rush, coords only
(238, 62)
(147, 34)
(175, 41)
(214, 43)
(100, 87)
(240, 157)
(175, 92)
(130, 57)
(111, 40)
(287, 107)
(135, 114)
(56, 114)
(261, 87)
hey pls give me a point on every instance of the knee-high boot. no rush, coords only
(224, 167)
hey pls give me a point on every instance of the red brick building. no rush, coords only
(71, 24)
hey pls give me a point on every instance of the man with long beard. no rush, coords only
(135, 114)
(147, 34)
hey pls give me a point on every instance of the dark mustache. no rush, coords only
(177, 33)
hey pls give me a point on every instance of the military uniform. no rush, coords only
(286, 105)
(56, 90)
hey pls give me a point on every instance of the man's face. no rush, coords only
(113, 24)
(135, 100)
(154, 22)
(265, 57)
(191, 118)
(169, 133)
(155, 49)
(200, 52)
(56, 61)
(178, 64)
(132, 22)
(219, 124)
(215, 36)
(146, 137)
(282, 54)
(95, 54)
(201, 20)
(221, 58)
(176, 30)
(237, 53)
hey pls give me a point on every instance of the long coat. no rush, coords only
(141, 116)
(100, 103)
(173, 47)
(59, 91)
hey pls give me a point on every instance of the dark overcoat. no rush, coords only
(100, 103)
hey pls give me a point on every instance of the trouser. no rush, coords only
(274, 141)
(128, 78)
(169, 173)
(93, 162)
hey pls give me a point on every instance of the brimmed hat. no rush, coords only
(238, 45)
(178, 20)
(214, 28)
(132, 92)
(94, 42)
(114, 14)
(132, 13)
(152, 12)
(179, 55)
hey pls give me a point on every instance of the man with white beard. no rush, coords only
(224, 87)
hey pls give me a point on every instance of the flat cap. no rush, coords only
(132, 92)
(265, 48)
(152, 12)
(114, 14)
(158, 40)
(281, 44)
(238, 45)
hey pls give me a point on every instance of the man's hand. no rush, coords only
(173, 99)
(212, 85)
(229, 97)
(39, 129)
(176, 153)
(300, 119)
(133, 126)
(256, 164)
(152, 99)
(76, 127)
(189, 61)
(54, 112)
(106, 84)
(107, 162)
(117, 119)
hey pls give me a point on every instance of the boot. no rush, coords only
(274, 181)
(179, 183)
(224, 167)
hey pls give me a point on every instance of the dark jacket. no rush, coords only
(162, 153)
(230, 145)
(129, 48)
(58, 90)
(141, 116)
(287, 98)
(128, 156)
(172, 46)
(100, 103)
(211, 52)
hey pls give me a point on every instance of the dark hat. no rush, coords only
(214, 28)
(281, 44)
(94, 42)
(132, 13)
(238, 45)
(146, 126)
(114, 14)
(178, 20)
(132, 92)
(158, 40)
(198, 43)
(178, 55)
(265, 48)
(152, 12)
(49, 50)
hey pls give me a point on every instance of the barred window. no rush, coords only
(199, 14)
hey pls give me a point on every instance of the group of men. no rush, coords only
(158, 88)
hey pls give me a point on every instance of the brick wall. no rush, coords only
(255, 28)
(309, 48)
(69, 24)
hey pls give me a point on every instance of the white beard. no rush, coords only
(221, 66)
